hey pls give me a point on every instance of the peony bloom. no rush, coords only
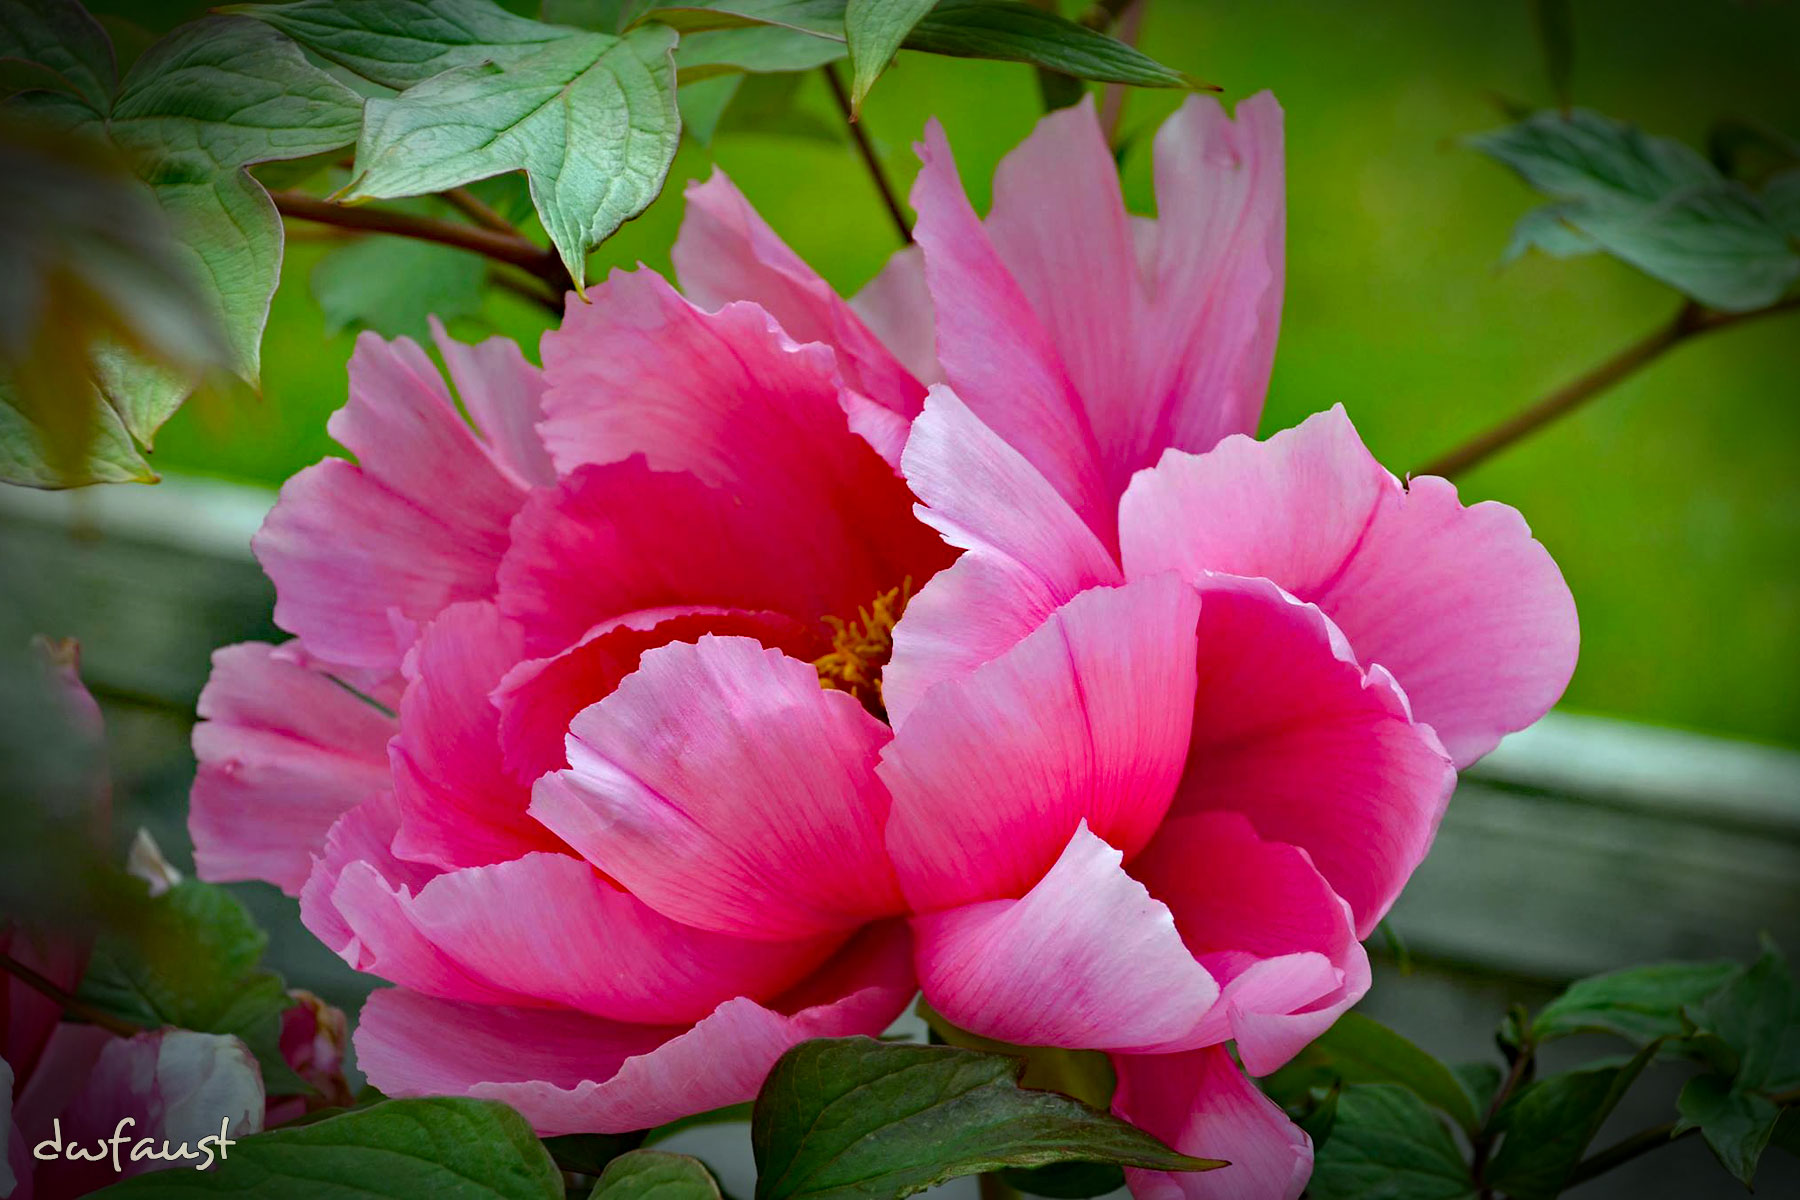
(676, 495)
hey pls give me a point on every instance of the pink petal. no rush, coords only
(726, 252)
(1029, 553)
(1289, 731)
(567, 1072)
(1260, 917)
(896, 306)
(1085, 719)
(539, 697)
(1201, 1104)
(361, 555)
(459, 806)
(1087, 959)
(504, 396)
(284, 751)
(361, 839)
(995, 350)
(726, 789)
(1467, 611)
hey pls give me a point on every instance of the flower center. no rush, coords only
(860, 648)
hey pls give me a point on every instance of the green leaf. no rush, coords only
(1750, 1027)
(1481, 1080)
(396, 1150)
(761, 48)
(391, 285)
(588, 1153)
(855, 1117)
(603, 16)
(1086, 1075)
(1548, 1124)
(703, 105)
(874, 30)
(1385, 1144)
(191, 958)
(1066, 1181)
(590, 118)
(655, 1175)
(1555, 22)
(1736, 1124)
(1359, 1050)
(62, 46)
(1639, 1003)
(1018, 32)
(823, 18)
(1787, 1131)
(35, 454)
(1781, 196)
(1651, 202)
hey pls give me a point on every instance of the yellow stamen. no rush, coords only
(860, 648)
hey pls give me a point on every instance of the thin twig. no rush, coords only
(501, 247)
(1689, 323)
(527, 289)
(868, 154)
(65, 1001)
(1483, 1141)
(1642, 1142)
(473, 207)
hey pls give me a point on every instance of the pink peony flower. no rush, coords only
(670, 476)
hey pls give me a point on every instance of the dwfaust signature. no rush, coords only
(142, 1149)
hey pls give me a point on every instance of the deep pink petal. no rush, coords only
(459, 806)
(1087, 959)
(568, 1072)
(726, 252)
(1289, 731)
(363, 554)
(284, 751)
(726, 789)
(504, 396)
(1085, 719)
(1461, 604)
(1201, 1104)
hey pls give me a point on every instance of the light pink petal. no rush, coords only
(284, 751)
(1201, 1104)
(1289, 731)
(1085, 719)
(1087, 959)
(994, 348)
(1260, 917)
(568, 1072)
(896, 306)
(363, 554)
(1029, 553)
(459, 806)
(1461, 604)
(726, 252)
(1216, 272)
(726, 789)
(504, 395)
(539, 697)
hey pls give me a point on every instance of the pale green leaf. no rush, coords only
(874, 30)
(392, 285)
(398, 43)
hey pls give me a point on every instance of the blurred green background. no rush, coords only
(1672, 503)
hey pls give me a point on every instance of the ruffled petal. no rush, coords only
(362, 839)
(1289, 731)
(1201, 1104)
(1461, 604)
(725, 788)
(726, 252)
(504, 396)
(363, 554)
(284, 751)
(1085, 719)
(568, 1072)
(1087, 959)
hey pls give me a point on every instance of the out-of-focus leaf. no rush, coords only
(1555, 21)
(703, 103)
(588, 1153)
(824, 18)
(602, 16)
(391, 285)
(1385, 1142)
(655, 1175)
(1736, 1124)
(49, 455)
(1066, 1181)
(62, 45)
(1787, 1131)
(853, 1117)
(1750, 1027)
(1651, 202)
(394, 1150)
(1638, 1003)
(874, 30)
(1549, 1123)
(1781, 195)
(767, 105)
(1481, 1080)
(1357, 1049)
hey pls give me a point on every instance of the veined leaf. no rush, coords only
(1639, 1003)
(655, 1175)
(1359, 1050)
(1736, 1124)
(1385, 1142)
(1549, 1124)
(63, 46)
(874, 30)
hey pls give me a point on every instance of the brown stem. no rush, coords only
(527, 289)
(1483, 1141)
(508, 248)
(1687, 324)
(68, 1003)
(868, 154)
(1642, 1142)
(473, 207)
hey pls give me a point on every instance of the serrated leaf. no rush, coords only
(855, 1117)
(874, 30)
(590, 119)
(1639, 1003)
(394, 1150)
(1752, 1023)
(655, 1175)
(1357, 1049)
(1547, 1126)
(1384, 1142)
(64, 43)
(392, 285)
(1736, 1124)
